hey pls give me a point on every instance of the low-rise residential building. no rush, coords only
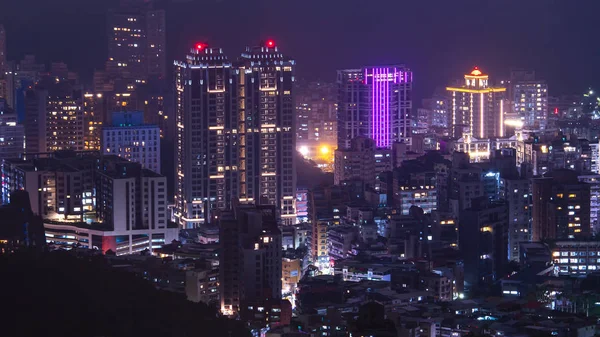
(339, 241)
(291, 273)
(576, 257)
(439, 286)
(202, 285)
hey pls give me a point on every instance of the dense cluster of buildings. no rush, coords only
(475, 213)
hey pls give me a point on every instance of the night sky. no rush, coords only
(439, 39)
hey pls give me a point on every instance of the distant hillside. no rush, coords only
(58, 294)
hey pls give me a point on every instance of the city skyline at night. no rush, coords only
(372, 169)
(537, 27)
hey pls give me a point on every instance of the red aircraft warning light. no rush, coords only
(270, 43)
(200, 46)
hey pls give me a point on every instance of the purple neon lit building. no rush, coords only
(374, 102)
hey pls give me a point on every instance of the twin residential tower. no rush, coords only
(235, 132)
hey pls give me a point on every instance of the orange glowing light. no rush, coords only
(476, 72)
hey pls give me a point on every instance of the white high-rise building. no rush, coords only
(530, 99)
(130, 138)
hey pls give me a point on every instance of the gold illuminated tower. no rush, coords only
(477, 108)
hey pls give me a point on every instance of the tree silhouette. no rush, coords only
(58, 293)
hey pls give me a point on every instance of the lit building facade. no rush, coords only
(477, 108)
(130, 138)
(339, 241)
(483, 241)
(5, 86)
(208, 135)
(3, 64)
(250, 263)
(465, 183)
(480, 150)
(558, 152)
(302, 205)
(291, 273)
(530, 99)
(438, 108)
(64, 122)
(594, 182)
(576, 257)
(126, 43)
(362, 161)
(316, 108)
(421, 196)
(93, 118)
(517, 193)
(81, 198)
(319, 246)
(267, 130)
(302, 118)
(374, 102)
(236, 132)
(12, 134)
(156, 43)
(595, 157)
(137, 42)
(561, 206)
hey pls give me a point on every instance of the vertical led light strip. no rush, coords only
(380, 119)
(454, 113)
(374, 106)
(501, 118)
(376, 117)
(379, 108)
(481, 116)
(387, 108)
(471, 125)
